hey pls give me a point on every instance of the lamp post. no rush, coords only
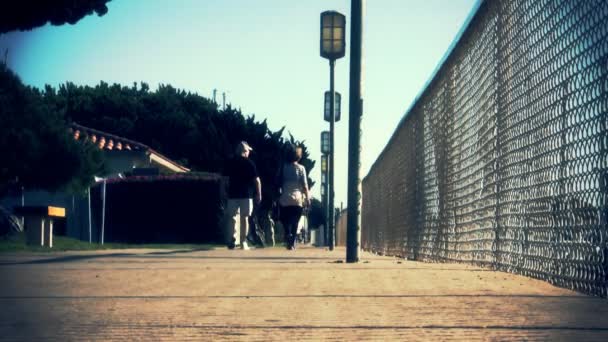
(333, 46)
(355, 109)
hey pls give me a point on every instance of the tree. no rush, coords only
(36, 148)
(184, 126)
(24, 15)
(316, 215)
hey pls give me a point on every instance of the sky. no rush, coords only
(263, 54)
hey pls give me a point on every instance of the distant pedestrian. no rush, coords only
(294, 194)
(243, 182)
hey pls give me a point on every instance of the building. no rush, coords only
(123, 157)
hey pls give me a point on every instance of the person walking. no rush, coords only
(243, 176)
(294, 194)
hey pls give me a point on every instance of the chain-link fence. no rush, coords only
(503, 158)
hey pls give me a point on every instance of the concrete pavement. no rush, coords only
(275, 294)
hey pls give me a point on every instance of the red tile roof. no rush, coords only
(107, 141)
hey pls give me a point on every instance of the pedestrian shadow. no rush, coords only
(179, 251)
(254, 257)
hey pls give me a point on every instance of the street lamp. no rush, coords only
(324, 194)
(327, 105)
(325, 149)
(324, 181)
(333, 46)
(333, 42)
(323, 163)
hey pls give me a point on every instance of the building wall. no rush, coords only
(122, 161)
(76, 223)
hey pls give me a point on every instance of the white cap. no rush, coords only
(243, 146)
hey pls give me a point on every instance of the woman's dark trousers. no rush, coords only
(290, 217)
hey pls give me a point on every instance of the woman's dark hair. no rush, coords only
(291, 154)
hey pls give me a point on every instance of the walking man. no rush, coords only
(243, 178)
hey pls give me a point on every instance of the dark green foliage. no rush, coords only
(316, 216)
(181, 125)
(36, 147)
(25, 15)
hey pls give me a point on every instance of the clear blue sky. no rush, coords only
(263, 53)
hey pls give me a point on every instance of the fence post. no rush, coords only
(500, 108)
(603, 205)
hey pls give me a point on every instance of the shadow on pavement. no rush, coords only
(76, 258)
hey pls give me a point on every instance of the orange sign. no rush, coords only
(56, 212)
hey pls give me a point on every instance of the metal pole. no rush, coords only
(324, 201)
(330, 164)
(327, 215)
(355, 110)
(103, 210)
(89, 199)
(604, 172)
(23, 205)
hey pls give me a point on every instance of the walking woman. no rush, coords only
(294, 194)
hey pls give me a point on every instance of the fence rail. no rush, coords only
(503, 158)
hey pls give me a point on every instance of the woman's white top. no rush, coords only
(293, 186)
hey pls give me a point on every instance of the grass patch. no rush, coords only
(16, 243)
